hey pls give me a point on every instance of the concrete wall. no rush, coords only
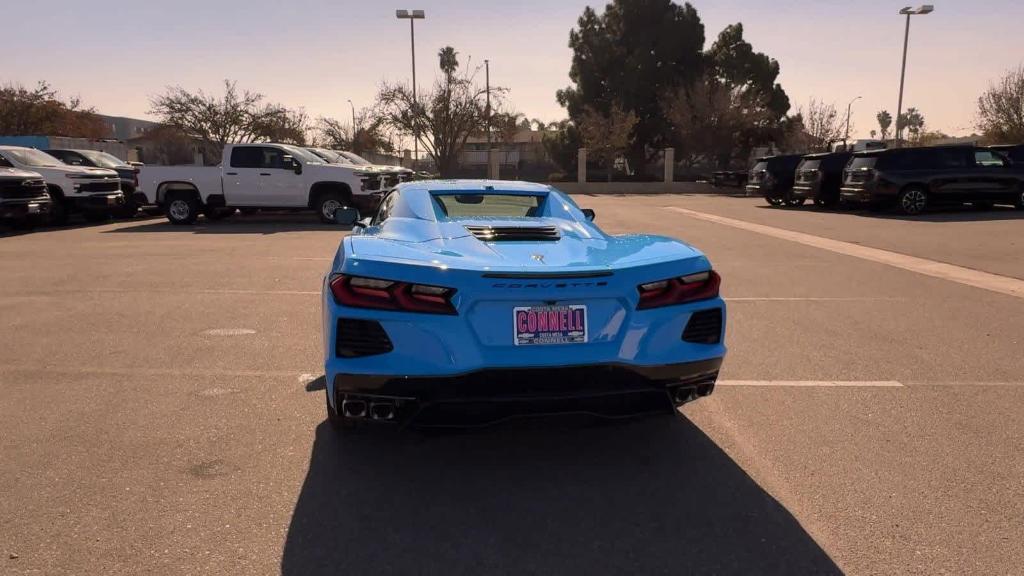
(641, 188)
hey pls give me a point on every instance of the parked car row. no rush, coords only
(95, 192)
(47, 186)
(908, 179)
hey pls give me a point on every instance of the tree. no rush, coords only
(368, 137)
(443, 118)
(562, 142)
(449, 60)
(874, 134)
(231, 118)
(710, 118)
(884, 122)
(1001, 108)
(628, 57)
(607, 137)
(913, 122)
(40, 111)
(821, 126)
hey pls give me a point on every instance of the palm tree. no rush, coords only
(449, 60)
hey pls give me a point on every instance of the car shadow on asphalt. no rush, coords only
(254, 224)
(652, 496)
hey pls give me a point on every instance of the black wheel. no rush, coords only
(96, 215)
(339, 423)
(912, 201)
(182, 209)
(794, 202)
(326, 205)
(248, 211)
(218, 213)
(58, 211)
(774, 201)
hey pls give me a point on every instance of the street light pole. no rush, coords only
(924, 9)
(487, 111)
(353, 118)
(412, 16)
(848, 108)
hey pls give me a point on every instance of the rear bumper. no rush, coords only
(809, 191)
(488, 396)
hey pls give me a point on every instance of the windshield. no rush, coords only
(810, 164)
(32, 157)
(326, 155)
(356, 158)
(489, 205)
(302, 154)
(103, 159)
(860, 162)
(760, 166)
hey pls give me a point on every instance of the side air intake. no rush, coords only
(358, 338)
(514, 233)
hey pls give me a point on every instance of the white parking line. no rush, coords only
(813, 383)
(813, 299)
(966, 276)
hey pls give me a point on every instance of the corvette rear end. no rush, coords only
(446, 312)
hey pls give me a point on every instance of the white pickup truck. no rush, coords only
(277, 176)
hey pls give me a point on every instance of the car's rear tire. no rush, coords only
(794, 202)
(181, 209)
(774, 201)
(326, 205)
(339, 423)
(912, 201)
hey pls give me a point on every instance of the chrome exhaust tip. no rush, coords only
(683, 394)
(382, 411)
(353, 408)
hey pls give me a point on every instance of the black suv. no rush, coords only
(912, 179)
(819, 176)
(1015, 152)
(772, 177)
(129, 174)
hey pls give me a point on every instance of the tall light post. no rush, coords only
(413, 16)
(353, 118)
(848, 108)
(908, 11)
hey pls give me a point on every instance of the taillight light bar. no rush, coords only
(680, 290)
(362, 292)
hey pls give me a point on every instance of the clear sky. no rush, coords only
(317, 54)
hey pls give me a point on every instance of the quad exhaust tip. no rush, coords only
(382, 411)
(353, 408)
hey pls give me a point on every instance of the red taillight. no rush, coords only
(689, 288)
(360, 292)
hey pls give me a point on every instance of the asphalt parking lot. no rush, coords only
(162, 413)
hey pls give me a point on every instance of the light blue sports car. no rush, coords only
(466, 302)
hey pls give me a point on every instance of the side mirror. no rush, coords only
(363, 223)
(589, 213)
(346, 216)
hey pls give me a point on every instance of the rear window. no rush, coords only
(489, 205)
(810, 164)
(861, 162)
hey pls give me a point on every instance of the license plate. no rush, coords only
(33, 208)
(550, 324)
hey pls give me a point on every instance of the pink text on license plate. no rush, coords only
(550, 324)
